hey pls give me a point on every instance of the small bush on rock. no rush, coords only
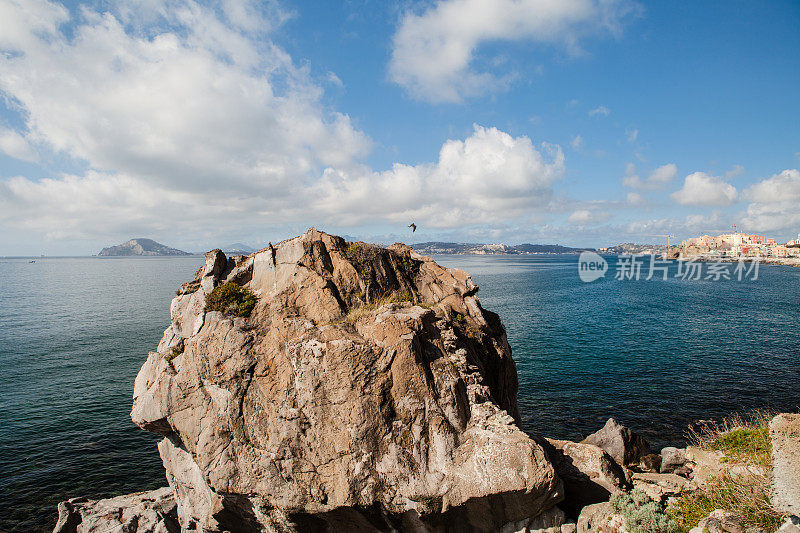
(641, 513)
(231, 299)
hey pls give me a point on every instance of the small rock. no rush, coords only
(650, 463)
(792, 525)
(784, 431)
(569, 527)
(622, 444)
(661, 486)
(672, 459)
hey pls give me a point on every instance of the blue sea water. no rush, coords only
(655, 354)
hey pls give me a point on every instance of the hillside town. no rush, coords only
(738, 244)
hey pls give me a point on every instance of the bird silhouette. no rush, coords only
(413, 227)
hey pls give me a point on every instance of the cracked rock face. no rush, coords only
(367, 387)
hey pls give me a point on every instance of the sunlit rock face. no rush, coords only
(368, 388)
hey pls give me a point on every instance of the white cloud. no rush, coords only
(631, 135)
(663, 174)
(583, 217)
(658, 178)
(488, 177)
(198, 104)
(577, 142)
(433, 52)
(600, 111)
(700, 188)
(15, 145)
(634, 198)
(775, 203)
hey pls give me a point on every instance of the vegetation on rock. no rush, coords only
(745, 441)
(641, 513)
(231, 299)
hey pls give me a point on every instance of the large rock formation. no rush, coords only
(367, 390)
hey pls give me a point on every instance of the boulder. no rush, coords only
(367, 387)
(598, 518)
(784, 431)
(673, 461)
(623, 445)
(589, 474)
(142, 512)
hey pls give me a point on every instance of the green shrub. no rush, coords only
(231, 299)
(641, 513)
(745, 445)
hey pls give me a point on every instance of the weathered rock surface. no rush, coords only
(331, 404)
(661, 486)
(623, 445)
(784, 431)
(673, 461)
(141, 512)
(599, 518)
(590, 475)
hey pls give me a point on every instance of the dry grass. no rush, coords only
(744, 439)
(355, 313)
(745, 496)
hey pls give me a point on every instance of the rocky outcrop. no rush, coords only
(784, 431)
(590, 475)
(141, 512)
(623, 445)
(367, 387)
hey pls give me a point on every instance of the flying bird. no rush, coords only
(413, 227)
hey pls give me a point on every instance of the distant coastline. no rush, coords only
(455, 248)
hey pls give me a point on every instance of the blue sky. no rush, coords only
(581, 122)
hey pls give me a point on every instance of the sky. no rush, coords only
(578, 122)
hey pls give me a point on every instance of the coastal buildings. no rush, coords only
(739, 244)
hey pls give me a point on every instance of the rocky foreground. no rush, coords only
(358, 388)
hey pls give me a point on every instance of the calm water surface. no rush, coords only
(656, 355)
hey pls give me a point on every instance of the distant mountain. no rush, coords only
(431, 248)
(627, 248)
(238, 248)
(140, 247)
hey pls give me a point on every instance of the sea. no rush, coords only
(657, 355)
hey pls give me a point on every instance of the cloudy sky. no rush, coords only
(582, 122)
